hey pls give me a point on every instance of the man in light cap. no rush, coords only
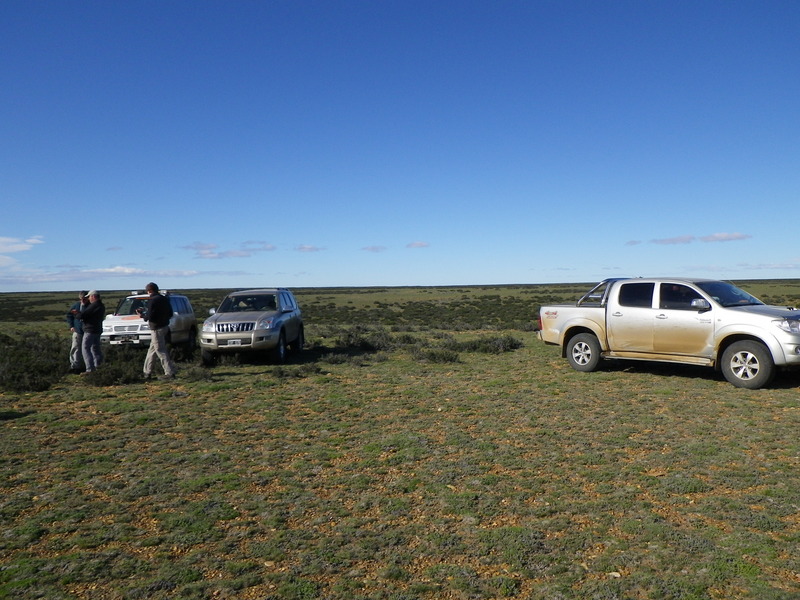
(92, 317)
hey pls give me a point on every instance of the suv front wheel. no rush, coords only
(297, 345)
(209, 358)
(279, 352)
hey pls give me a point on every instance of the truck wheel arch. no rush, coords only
(577, 330)
(726, 342)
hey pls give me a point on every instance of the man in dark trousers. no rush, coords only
(92, 318)
(76, 329)
(157, 313)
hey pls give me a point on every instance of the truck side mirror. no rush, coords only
(701, 304)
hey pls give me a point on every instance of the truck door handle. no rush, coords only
(662, 316)
(616, 314)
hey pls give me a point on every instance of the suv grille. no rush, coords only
(235, 327)
(125, 328)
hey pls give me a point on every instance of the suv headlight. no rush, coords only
(266, 323)
(107, 328)
(789, 325)
(208, 326)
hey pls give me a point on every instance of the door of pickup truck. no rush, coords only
(629, 325)
(680, 328)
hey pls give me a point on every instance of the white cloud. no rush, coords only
(688, 239)
(210, 251)
(90, 275)
(9, 245)
(418, 245)
(308, 248)
(681, 239)
(725, 237)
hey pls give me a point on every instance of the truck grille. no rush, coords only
(235, 327)
(126, 328)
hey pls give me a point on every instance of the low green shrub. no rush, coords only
(435, 355)
(365, 338)
(486, 344)
(33, 363)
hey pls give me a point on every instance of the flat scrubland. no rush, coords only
(424, 446)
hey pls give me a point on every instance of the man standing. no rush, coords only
(76, 328)
(158, 313)
(92, 317)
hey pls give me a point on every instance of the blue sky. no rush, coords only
(398, 142)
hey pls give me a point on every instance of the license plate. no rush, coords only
(234, 342)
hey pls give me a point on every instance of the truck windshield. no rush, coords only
(727, 294)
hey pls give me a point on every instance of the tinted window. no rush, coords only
(287, 301)
(676, 296)
(129, 306)
(244, 303)
(636, 294)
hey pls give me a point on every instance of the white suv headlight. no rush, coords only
(789, 325)
(208, 326)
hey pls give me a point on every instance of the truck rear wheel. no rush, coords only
(748, 364)
(583, 352)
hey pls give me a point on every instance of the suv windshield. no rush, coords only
(727, 294)
(129, 306)
(254, 303)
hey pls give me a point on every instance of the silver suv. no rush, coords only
(267, 320)
(125, 326)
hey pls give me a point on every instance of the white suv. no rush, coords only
(267, 320)
(125, 326)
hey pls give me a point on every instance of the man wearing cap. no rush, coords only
(158, 313)
(76, 329)
(92, 317)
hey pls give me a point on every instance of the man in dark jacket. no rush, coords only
(76, 329)
(158, 313)
(92, 318)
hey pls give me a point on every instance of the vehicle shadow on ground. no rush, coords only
(308, 357)
(783, 379)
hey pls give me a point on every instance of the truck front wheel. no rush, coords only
(748, 364)
(583, 352)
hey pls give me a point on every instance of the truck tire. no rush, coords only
(583, 352)
(748, 364)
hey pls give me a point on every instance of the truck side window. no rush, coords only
(636, 294)
(677, 297)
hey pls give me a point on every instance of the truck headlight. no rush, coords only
(789, 325)
(208, 326)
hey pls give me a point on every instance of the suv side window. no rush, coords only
(180, 305)
(636, 294)
(287, 301)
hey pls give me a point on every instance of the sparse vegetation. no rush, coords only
(400, 460)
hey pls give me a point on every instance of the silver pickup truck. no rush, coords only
(691, 321)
